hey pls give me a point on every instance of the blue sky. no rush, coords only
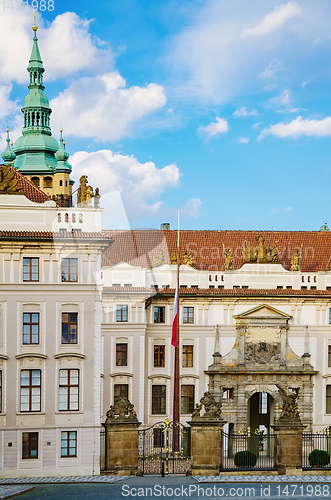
(221, 109)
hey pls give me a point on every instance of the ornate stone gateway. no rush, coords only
(155, 449)
(248, 378)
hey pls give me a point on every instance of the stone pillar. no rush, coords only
(206, 437)
(289, 448)
(121, 428)
(122, 447)
(206, 446)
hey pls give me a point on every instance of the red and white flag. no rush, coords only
(175, 320)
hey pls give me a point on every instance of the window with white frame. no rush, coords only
(30, 390)
(68, 444)
(69, 390)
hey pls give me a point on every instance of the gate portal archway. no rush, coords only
(261, 411)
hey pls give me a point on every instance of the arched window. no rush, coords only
(35, 181)
(48, 182)
(60, 183)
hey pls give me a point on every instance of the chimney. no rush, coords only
(165, 226)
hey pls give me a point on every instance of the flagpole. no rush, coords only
(176, 411)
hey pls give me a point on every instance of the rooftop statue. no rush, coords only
(261, 253)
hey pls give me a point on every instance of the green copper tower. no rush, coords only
(37, 154)
(36, 147)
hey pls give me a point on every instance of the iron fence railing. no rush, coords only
(103, 450)
(248, 451)
(316, 450)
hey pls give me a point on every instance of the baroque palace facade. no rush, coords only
(86, 313)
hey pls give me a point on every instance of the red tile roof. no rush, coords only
(45, 235)
(31, 191)
(139, 247)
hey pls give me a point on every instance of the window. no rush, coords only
(328, 399)
(30, 390)
(30, 328)
(122, 313)
(1, 391)
(121, 354)
(158, 399)
(35, 181)
(187, 399)
(159, 314)
(121, 390)
(330, 316)
(30, 445)
(263, 403)
(69, 269)
(48, 182)
(68, 444)
(228, 393)
(329, 355)
(69, 328)
(187, 356)
(188, 314)
(69, 390)
(30, 269)
(159, 356)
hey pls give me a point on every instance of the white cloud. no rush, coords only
(214, 129)
(243, 112)
(207, 58)
(103, 108)
(270, 71)
(285, 101)
(287, 209)
(192, 208)
(299, 127)
(243, 140)
(139, 184)
(66, 46)
(256, 125)
(274, 20)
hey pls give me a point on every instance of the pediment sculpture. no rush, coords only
(121, 410)
(8, 183)
(213, 410)
(290, 413)
(261, 253)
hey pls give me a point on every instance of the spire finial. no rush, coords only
(35, 27)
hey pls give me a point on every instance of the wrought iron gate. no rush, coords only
(248, 450)
(157, 452)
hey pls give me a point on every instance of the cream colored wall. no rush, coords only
(50, 297)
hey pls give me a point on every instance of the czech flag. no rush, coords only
(175, 320)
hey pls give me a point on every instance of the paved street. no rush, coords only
(186, 487)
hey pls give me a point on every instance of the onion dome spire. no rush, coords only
(8, 155)
(61, 156)
(36, 147)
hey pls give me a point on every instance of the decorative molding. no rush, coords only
(159, 376)
(121, 374)
(31, 355)
(70, 354)
(189, 375)
(4, 357)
